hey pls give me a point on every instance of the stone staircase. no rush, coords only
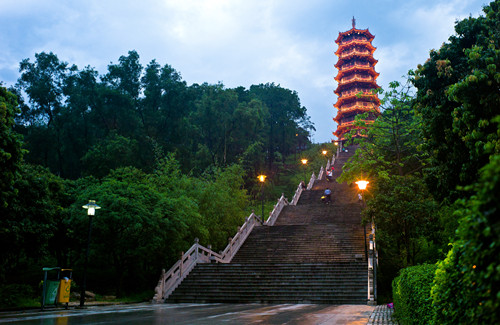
(315, 253)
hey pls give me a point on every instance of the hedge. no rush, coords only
(412, 294)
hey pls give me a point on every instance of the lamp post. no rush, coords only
(262, 179)
(324, 152)
(304, 162)
(90, 207)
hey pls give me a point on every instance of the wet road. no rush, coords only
(197, 314)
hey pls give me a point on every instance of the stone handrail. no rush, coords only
(296, 196)
(282, 201)
(235, 243)
(321, 173)
(170, 280)
(311, 181)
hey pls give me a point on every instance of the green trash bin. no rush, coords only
(51, 292)
(50, 286)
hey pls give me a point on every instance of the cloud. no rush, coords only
(238, 42)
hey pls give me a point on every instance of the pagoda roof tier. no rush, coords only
(345, 127)
(355, 52)
(344, 46)
(365, 56)
(364, 98)
(354, 31)
(356, 68)
(361, 82)
(354, 111)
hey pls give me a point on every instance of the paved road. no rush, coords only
(197, 314)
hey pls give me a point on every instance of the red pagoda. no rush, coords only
(356, 80)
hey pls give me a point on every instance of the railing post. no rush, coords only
(371, 273)
(181, 266)
(196, 241)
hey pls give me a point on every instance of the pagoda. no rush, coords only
(356, 80)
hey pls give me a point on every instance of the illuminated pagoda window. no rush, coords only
(356, 80)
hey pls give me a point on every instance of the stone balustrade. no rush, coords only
(282, 201)
(170, 280)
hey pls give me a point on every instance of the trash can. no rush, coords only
(64, 286)
(50, 286)
(51, 292)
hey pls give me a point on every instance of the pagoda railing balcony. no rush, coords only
(355, 42)
(357, 106)
(347, 101)
(354, 65)
(355, 92)
(346, 80)
(360, 104)
(351, 70)
(353, 52)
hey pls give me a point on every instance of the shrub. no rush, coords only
(467, 281)
(412, 294)
(14, 295)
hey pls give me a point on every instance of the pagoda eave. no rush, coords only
(344, 46)
(370, 70)
(365, 32)
(341, 61)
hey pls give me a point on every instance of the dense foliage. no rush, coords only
(167, 163)
(408, 219)
(78, 123)
(448, 137)
(464, 290)
(458, 95)
(411, 292)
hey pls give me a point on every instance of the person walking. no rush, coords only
(328, 195)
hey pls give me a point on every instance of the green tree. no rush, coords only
(406, 215)
(464, 290)
(11, 153)
(286, 118)
(457, 98)
(222, 203)
(33, 231)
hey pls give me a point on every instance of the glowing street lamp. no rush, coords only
(362, 185)
(90, 207)
(324, 152)
(262, 179)
(304, 162)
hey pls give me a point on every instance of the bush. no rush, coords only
(14, 295)
(412, 294)
(464, 290)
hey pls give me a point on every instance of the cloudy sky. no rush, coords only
(236, 42)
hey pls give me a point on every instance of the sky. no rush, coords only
(235, 42)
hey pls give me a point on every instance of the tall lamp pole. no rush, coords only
(362, 186)
(262, 179)
(324, 152)
(90, 207)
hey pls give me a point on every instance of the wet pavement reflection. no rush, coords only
(196, 314)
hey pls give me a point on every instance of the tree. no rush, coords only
(457, 98)
(389, 146)
(464, 287)
(406, 215)
(33, 232)
(11, 152)
(286, 118)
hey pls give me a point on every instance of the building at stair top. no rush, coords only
(356, 80)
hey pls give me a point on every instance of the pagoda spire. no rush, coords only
(353, 22)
